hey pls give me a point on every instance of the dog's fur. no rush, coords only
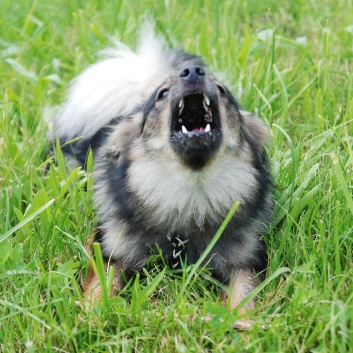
(157, 186)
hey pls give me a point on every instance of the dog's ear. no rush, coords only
(256, 131)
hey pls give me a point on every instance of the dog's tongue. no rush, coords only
(198, 130)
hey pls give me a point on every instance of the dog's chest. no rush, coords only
(176, 197)
(179, 248)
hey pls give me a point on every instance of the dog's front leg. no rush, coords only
(242, 283)
(92, 287)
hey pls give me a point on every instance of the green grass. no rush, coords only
(291, 63)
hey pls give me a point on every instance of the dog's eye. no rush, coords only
(221, 89)
(163, 94)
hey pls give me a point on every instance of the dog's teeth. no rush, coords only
(181, 106)
(205, 107)
(184, 129)
(206, 103)
(208, 128)
(208, 117)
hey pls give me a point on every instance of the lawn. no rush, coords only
(289, 62)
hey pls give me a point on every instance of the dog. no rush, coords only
(172, 153)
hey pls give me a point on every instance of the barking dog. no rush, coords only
(172, 153)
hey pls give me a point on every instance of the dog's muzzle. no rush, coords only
(196, 132)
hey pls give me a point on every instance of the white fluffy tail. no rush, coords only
(113, 87)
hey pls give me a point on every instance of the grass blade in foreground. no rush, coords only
(208, 249)
(26, 220)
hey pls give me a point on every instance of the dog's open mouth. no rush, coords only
(194, 115)
(196, 126)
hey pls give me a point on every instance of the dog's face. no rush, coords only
(192, 113)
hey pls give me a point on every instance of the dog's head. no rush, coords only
(165, 100)
(195, 115)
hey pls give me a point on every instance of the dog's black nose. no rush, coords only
(193, 74)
